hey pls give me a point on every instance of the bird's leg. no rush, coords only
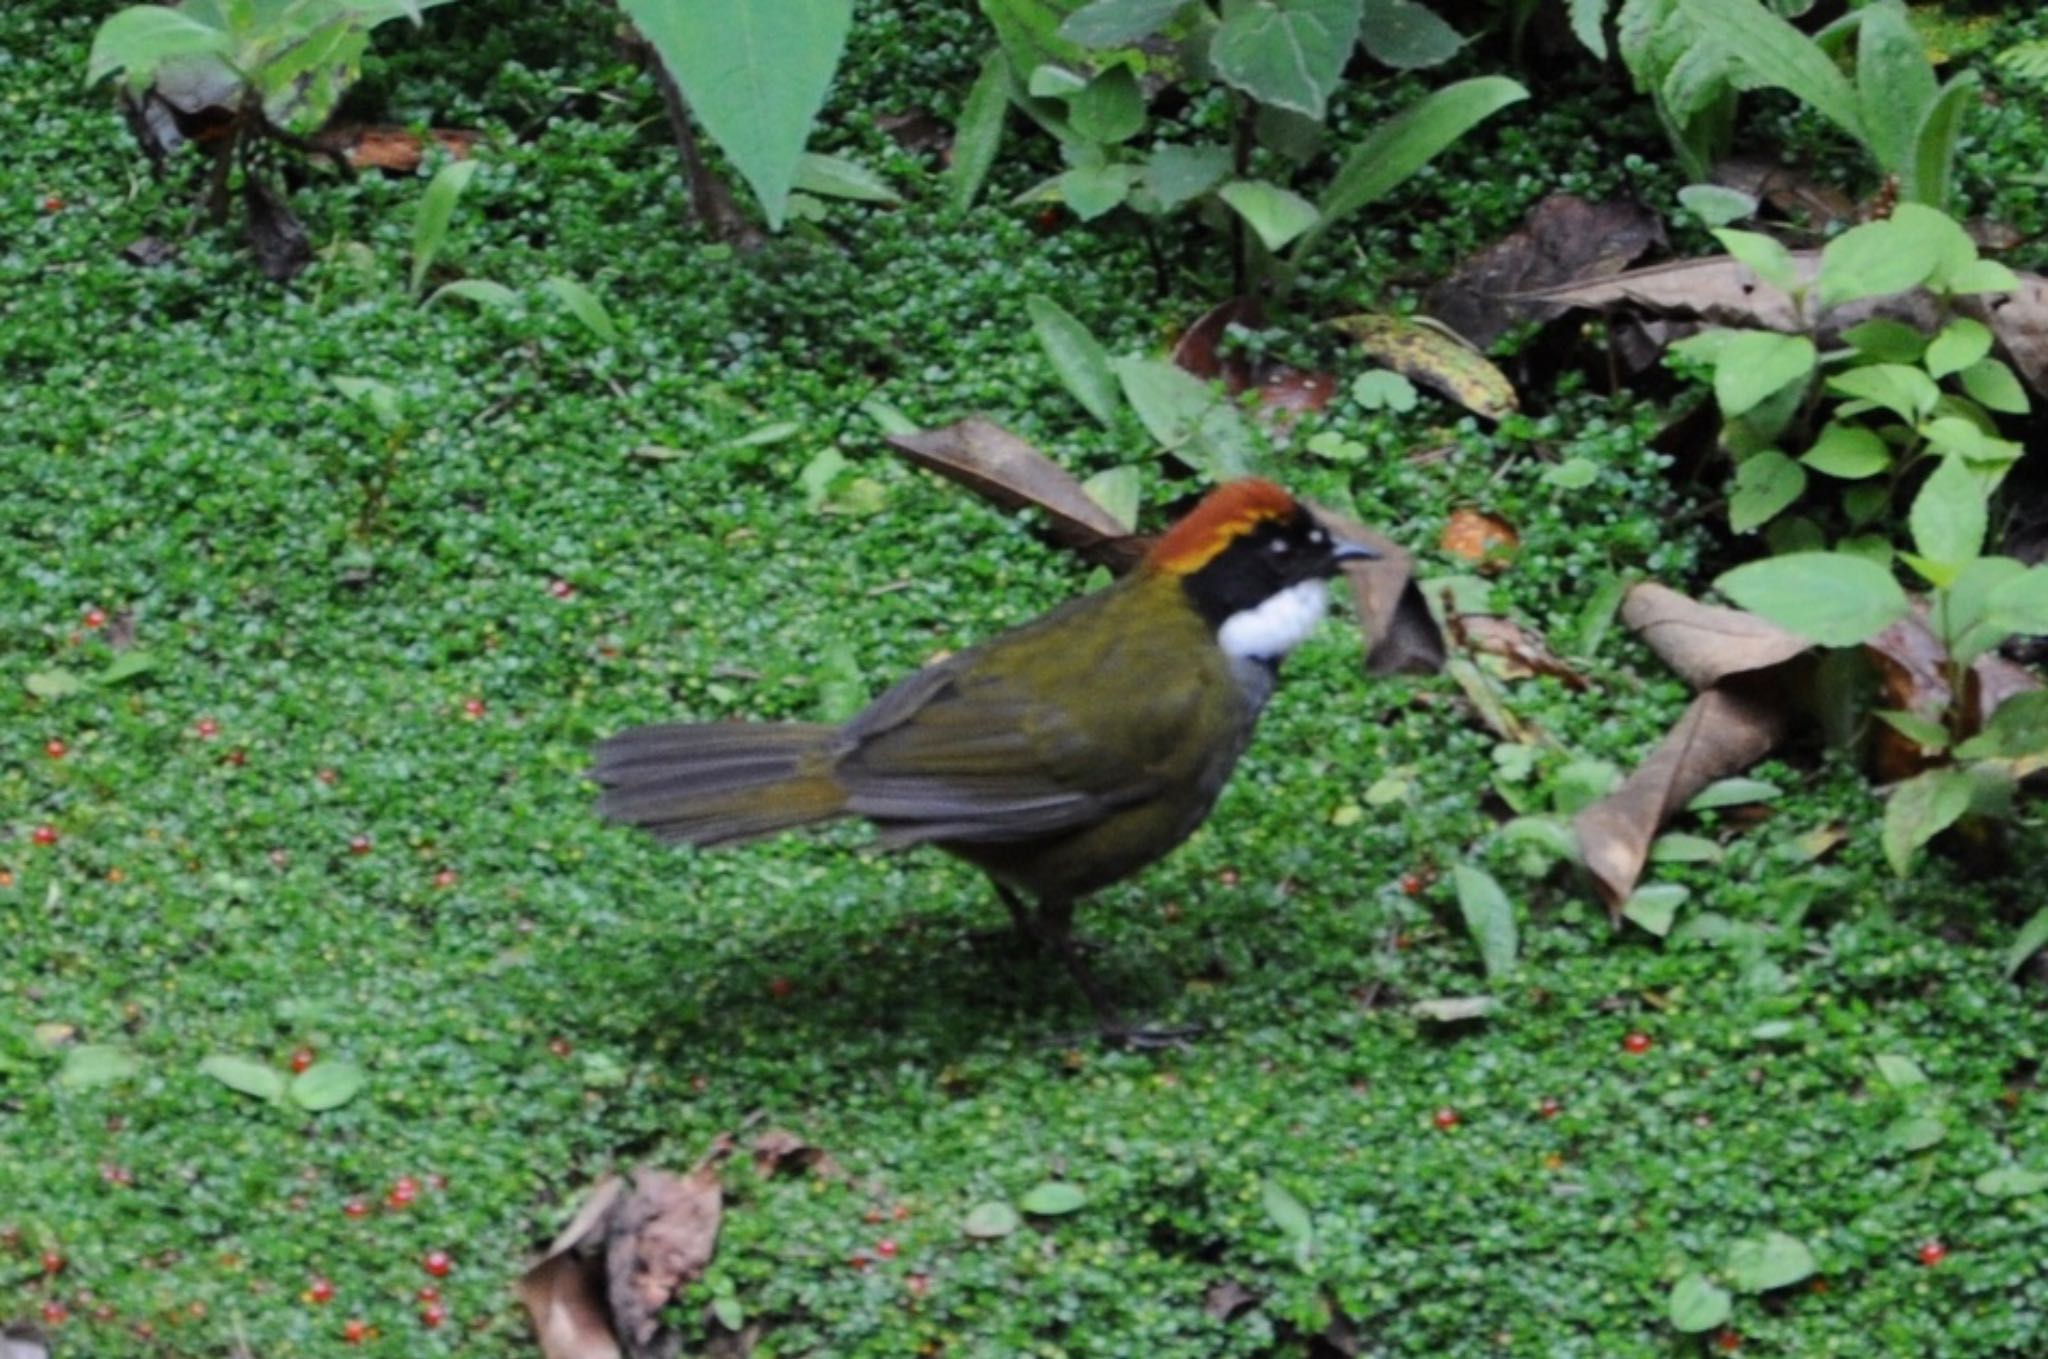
(1020, 914)
(1055, 927)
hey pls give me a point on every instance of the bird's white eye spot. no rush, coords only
(1318, 537)
(1281, 545)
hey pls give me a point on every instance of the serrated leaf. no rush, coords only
(245, 1075)
(1887, 341)
(1950, 515)
(1773, 1260)
(1489, 916)
(91, 1064)
(1094, 190)
(327, 1085)
(1875, 259)
(1110, 109)
(2021, 603)
(1697, 1304)
(1829, 597)
(1765, 256)
(992, 1220)
(1054, 1198)
(1077, 357)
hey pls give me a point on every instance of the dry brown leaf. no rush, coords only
(778, 1151)
(1740, 663)
(561, 1293)
(662, 1237)
(1433, 355)
(1284, 393)
(1490, 703)
(1401, 637)
(998, 466)
(1564, 239)
(1226, 1298)
(1518, 652)
(275, 232)
(389, 147)
(1788, 189)
(1910, 661)
(1484, 539)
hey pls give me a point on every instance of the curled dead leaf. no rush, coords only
(1483, 539)
(1434, 355)
(778, 1151)
(1227, 1298)
(1402, 637)
(1515, 652)
(392, 148)
(1284, 393)
(1564, 239)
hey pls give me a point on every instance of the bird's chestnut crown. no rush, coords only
(1247, 542)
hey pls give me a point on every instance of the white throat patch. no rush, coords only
(1270, 630)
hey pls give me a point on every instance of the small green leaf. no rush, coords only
(1916, 1132)
(1676, 847)
(1054, 1198)
(1765, 256)
(980, 131)
(1887, 341)
(1774, 1260)
(1873, 260)
(838, 177)
(1176, 174)
(992, 1220)
(1919, 730)
(91, 1064)
(246, 1075)
(1850, 452)
(1697, 1304)
(1185, 415)
(2021, 603)
(327, 1085)
(1950, 517)
(1765, 483)
(1961, 344)
(1382, 389)
(2032, 938)
(1111, 109)
(1991, 384)
(583, 304)
(1407, 36)
(1118, 23)
(2010, 1182)
(1714, 204)
(1655, 907)
(1287, 1212)
(1490, 917)
(1753, 364)
(1919, 809)
(436, 210)
(1278, 215)
(1898, 1071)
(481, 291)
(1076, 356)
(729, 1312)
(1829, 597)
(1738, 792)
(1093, 190)
(53, 684)
(1116, 490)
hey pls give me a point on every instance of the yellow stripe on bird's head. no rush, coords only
(1225, 515)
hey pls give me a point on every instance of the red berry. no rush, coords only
(1550, 1108)
(1411, 884)
(53, 204)
(474, 707)
(54, 1313)
(1728, 1341)
(437, 1263)
(560, 1047)
(320, 1291)
(428, 1294)
(1636, 1043)
(356, 1332)
(206, 729)
(1932, 1253)
(886, 1248)
(237, 757)
(328, 777)
(53, 1263)
(359, 844)
(94, 618)
(1445, 1119)
(432, 1315)
(561, 589)
(780, 987)
(403, 1191)
(859, 1260)
(357, 1207)
(44, 835)
(301, 1059)
(446, 878)
(919, 1284)
(900, 1212)
(55, 749)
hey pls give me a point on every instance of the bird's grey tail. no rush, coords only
(718, 783)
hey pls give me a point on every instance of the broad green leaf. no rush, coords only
(1919, 809)
(1903, 390)
(326, 1085)
(1773, 52)
(1831, 598)
(91, 1064)
(838, 177)
(1949, 517)
(1895, 84)
(1961, 343)
(755, 73)
(1407, 36)
(1697, 1304)
(53, 684)
(1076, 356)
(1916, 1132)
(1978, 276)
(1774, 1260)
(1378, 389)
(1921, 731)
(1178, 174)
(481, 291)
(989, 1221)
(1992, 385)
(246, 1075)
(980, 131)
(1765, 256)
(127, 666)
(2032, 938)
(141, 38)
(1850, 452)
(1118, 23)
(583, 304)
(1898, 1071)
(1116, 490)
(1714, 204)
(1490, 917)
(2018, 730)
(1677, 847)
(1287, 1212)
(1054, 1198)
(1286, 52)
(1765, 483)
(1187, 416)
(2021, 604)
(437, 208)
(1278, 215)
(1962, 612)
(1052, 81)
(1926, 175)
(1956, 437)
(2010, 1182)
(1887, 341)
(1587, 21)
(1093, 190)
(1655, 907)
(1753, 364)
(1111, 109)
(1875, 259)
(1736, 792)
(1403, 144)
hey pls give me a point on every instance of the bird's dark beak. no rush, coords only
(1344, 550)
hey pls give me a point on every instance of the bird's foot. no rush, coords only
(1150, 1037)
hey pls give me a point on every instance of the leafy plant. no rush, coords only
(1088, 77)
(1696, 57)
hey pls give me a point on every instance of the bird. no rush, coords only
(1058, 757)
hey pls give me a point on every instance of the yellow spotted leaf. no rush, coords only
(1435, 356)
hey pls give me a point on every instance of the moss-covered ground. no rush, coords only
(338, 805)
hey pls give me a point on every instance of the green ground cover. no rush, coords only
(341, 808)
